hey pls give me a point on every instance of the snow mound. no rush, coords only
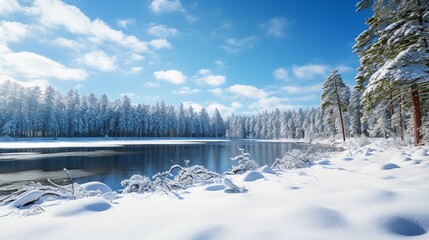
(383, 196)
(85, 205)
(214, 188)
(322, 218)
(209, 233)
(27, 198)
(266, 169)
(420, 153)
(389, 166)
(96, 187)
(230, 187)
(403, 226)
(324, 162)
(367, 151)
(251, 176)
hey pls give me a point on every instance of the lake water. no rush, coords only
(111, 165)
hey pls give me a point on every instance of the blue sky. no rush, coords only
(241, 56)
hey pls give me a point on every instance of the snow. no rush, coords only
(95, 142)
(251, 176)
(354, 194)
(266, 169)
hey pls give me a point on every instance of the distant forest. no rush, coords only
(32, 112)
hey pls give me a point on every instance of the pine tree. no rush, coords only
(355, 113)
(396, 53)
(217, 125)
(50, 121)
(335, 96)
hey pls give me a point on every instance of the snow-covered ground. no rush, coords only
(377, 191)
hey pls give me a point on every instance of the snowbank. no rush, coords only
(355, 194)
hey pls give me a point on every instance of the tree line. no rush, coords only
(31, 112)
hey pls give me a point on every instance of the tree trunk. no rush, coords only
(359, 132)
(392, 112)
(341, 113)
(417, 113)
(401, 124)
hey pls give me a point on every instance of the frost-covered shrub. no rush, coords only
(33, 193)
(230, 187)
(178, 177)
(296, 158)
(137, 183)
(245, 163)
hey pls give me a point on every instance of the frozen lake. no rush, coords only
(114, 161)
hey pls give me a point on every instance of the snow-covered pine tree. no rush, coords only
(181, 119)
(217, 125)
(50, 121)
(125, 120)
(335, 96)
(191, 122)
(398, 51)
(103, 115)
(204, 120)
(355, 113)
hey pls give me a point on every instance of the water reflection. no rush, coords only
(111, 165)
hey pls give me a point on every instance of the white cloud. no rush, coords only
(222, 30)
(136, 57)
(310, 71)
(223, 109)
(219, 63)
(78, 86)
(162, 31)
(42, 83)
(204, 71)
(99, 60)
(160, 43)
(69, 43)
(12, 31)
(197, 107)
(187, 91)
(247, 91)
(271, 103)
(4, 48)
(128, 94)
(135, 70)
(172, 76)
(124, 23)
(151, 84)
(32, 65)
(302, 89)
(236, 105)
(212, 80)
(281, 74)
(9, 6)
(232, 45)
(216, 91)
(275, 27)
(164, 6)
(344, 69)
(159, 6)
(55, 13)
(307, 97)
